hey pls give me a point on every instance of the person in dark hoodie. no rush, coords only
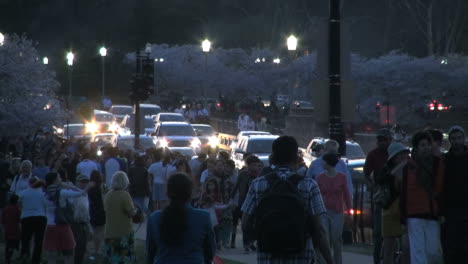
(455, 229)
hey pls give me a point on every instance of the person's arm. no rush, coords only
(368, 167)
(346, 195)
(248, 207)
(151, 246)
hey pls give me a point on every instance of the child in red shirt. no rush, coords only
(12, 225)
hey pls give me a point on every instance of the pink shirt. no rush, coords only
(335, 193)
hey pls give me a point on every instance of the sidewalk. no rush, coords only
(350, 254)
(238, 256)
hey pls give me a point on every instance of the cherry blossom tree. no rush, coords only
(27, 89)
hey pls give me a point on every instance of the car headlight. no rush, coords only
(163, 143)
(195, 143)
(213, 141)
(99, 153)
(59, 130)
(114, 128)
(92, 128)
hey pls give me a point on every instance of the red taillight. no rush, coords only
(218, 104)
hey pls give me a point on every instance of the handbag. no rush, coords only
(138, 218)
(383, 196)
(63, 215)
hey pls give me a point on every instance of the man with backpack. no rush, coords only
(283, 211)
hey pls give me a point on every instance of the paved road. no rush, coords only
(238, 255)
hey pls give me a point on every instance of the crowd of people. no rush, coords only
(418, 195)
(57, 196)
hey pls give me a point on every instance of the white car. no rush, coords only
(150, 110)
(246, 133)
(102, 139)
(120, 111)
(176, 134)
(146, 124)
(259, 145)
(169, 117)
(77, 131)
(102, 122)
(127, 142)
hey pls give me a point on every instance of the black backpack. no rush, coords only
(280, 219)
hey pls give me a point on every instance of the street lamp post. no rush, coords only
(292, 46)
(103, 52)
(70, 58)
(206, 46)
(334, 71)
(160, 60)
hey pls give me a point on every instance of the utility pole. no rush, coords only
(141, 87)
(335, 129)
(137, 103)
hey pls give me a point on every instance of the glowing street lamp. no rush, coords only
(206, 45)
(45, 60)
(70, 58)
(103, 52)
(292, 42)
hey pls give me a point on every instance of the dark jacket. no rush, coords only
(139, 181)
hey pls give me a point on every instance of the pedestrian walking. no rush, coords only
(97, 213)
(59, 241)
(119, 244)
(421, 200)
(286, 238)
(388, 188)
(336, 198)
(81, 226)
(21, 181)
(316, 166)
(140, 183)
(86, 166)
(158, 172)
(455, 229)
(252, 171)
(33, 219)
(12, 227)
(375, 161)
(180, 233)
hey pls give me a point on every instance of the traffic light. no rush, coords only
(141, 88)
(377, 106)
